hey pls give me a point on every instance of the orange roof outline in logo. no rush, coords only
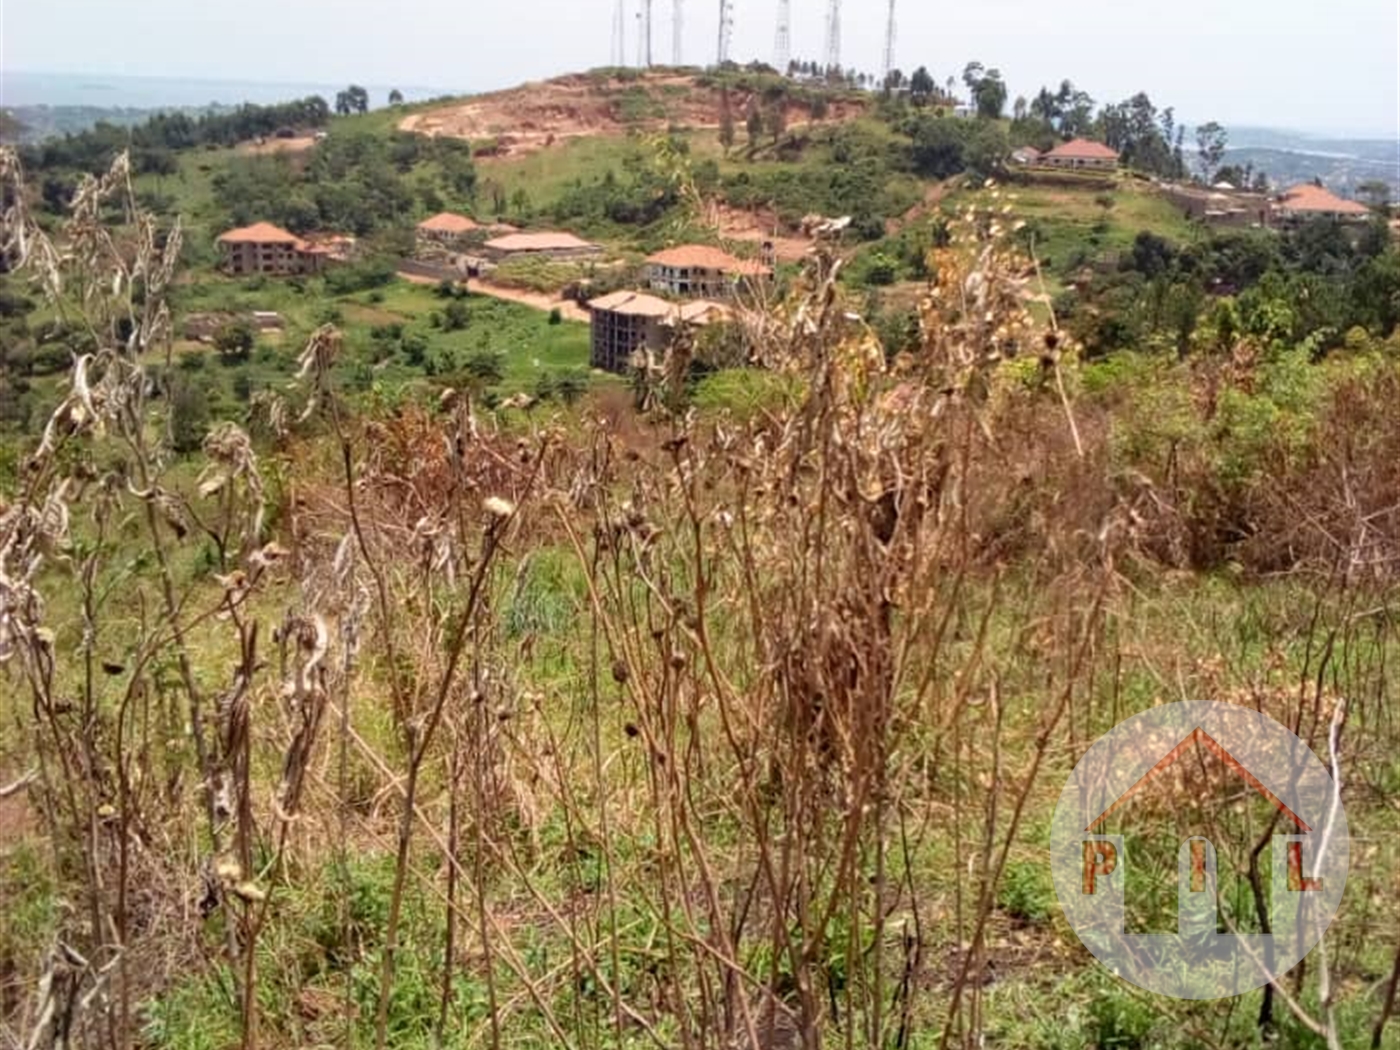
(1200, 736)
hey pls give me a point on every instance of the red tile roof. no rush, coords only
(260, 233)
(703, 257)
(1309, 198)
(635, 304)
(543, 241)
(639, 304)
(1083, 149)
(448, 222)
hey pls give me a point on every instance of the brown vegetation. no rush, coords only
(749, 772)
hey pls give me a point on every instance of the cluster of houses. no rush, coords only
(694, 285)
(702, 285)
(690, 286)
(1224, 205)
(1218, 205)
(471, 249)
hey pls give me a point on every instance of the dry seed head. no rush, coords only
(228, 869)
(250, 893)
(498, 507)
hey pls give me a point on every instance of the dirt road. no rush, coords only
(568, 309)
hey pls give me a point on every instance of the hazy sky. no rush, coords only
(1305, 64)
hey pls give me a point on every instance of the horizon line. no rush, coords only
(1253, 124)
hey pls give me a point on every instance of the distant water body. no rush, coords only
(114, 91)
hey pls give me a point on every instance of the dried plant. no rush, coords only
(748, 770)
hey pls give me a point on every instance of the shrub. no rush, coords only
(189, 414)
(359, 277)
(234, 341)
(456, 316)
(485, 367)
(415, 348)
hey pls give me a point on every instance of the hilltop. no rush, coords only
(538, 115)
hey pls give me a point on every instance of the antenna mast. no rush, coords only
(726, 29)
(890, 32)
(619, 46)
(678, 33)
(644, 45)
(782, 45)
(833, 35)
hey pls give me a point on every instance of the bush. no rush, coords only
(189, 414)
(485, 367)
(456, 316)
(876, 270)
(359, 277)
(415, 348)
(234, 341)
(1027, 894)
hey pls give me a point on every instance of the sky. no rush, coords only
(1304, 65)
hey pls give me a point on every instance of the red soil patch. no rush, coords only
(536, 116)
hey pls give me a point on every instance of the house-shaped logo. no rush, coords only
(1206, 957)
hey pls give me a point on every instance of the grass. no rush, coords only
(546, 174)
(397, 342)
(1066, 226)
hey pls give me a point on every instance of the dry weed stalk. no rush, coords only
(829, 654)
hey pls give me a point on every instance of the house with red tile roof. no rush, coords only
(446, 230)
(700, 270)
(268, 249)
(625, 322)
(1081, 153)
(1307, 201)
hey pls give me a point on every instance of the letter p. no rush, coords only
(1100, 858)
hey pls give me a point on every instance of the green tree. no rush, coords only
(990, 95)
(973, 73)
(234, 341)
(1211, 143)
(353, 99)
(396, 97)
(921, 86)
(726, 121)
(775, 121)
(938, 147)
(986, 149)
(189, 414)
(754, 126)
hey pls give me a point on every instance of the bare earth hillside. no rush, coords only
(535, 116)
